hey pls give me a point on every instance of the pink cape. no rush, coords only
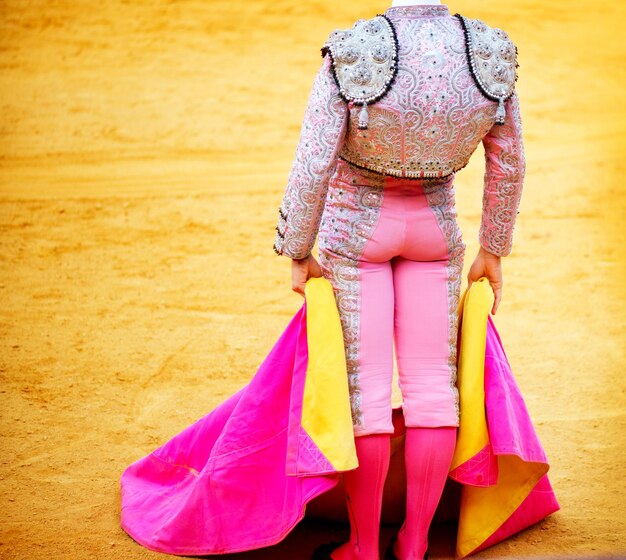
(240, 477)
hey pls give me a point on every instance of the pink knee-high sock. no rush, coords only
(428, 454)
(364, 496)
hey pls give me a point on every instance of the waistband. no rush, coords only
(352, 174)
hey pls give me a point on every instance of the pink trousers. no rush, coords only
(393, 252)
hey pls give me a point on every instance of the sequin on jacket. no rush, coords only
(410, 93)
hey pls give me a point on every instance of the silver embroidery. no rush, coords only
(434, 116)
(349, 220)
(492, 57)
(441, 199)
(364, 58)
(321, 136)
(505, 169)
(364, 61)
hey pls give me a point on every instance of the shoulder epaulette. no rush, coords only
(492, 57)
(364, 61)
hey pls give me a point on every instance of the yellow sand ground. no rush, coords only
(145, 148)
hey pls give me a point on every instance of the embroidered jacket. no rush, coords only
(410, 93)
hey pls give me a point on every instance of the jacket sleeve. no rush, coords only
(505, 167)
(321, 137)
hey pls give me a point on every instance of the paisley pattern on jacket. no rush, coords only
(505, 169)
(434, 117)
(321, 136)
(427, 125)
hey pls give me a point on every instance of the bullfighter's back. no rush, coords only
(410, 93)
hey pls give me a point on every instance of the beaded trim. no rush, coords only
(408, 174)
(282, 222)
(364, 65)
(493, 77)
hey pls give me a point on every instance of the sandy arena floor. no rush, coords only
(145, 148)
